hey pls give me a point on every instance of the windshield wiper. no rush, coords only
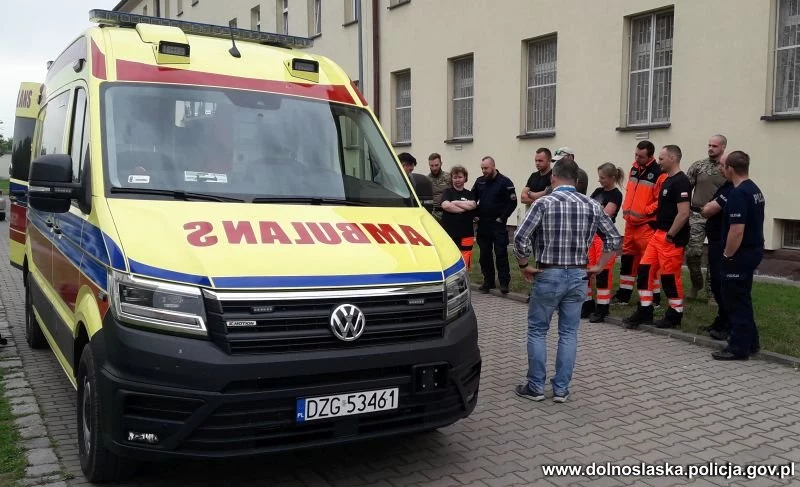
(309, 201)
(177, 194)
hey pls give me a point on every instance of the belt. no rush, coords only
(540, 265)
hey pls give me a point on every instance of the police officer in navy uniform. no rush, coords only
(743, 230)
(497, 200)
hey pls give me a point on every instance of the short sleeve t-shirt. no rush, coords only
(714, 224)
(539, 182)
(746, 206)
(676, 189)
(604, 197)
(458, 225)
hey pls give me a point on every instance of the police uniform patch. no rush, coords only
(650, 176)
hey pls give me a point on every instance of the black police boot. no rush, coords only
(671, 319)
(622, 296)
(587, 309)
(600, 313)
(642, 316)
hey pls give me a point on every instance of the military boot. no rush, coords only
(642, 316)
(671, 319)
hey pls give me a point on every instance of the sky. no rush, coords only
(32, 35)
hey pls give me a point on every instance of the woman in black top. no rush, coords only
(610, 197)
(458, 208)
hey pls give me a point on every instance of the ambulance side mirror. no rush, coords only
(50, 186)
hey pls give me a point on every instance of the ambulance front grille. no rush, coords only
(299, 325)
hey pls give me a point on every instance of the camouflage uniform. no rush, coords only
(705, 178)
(439, 183)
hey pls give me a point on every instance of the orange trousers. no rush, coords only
(603, 279)
(634, 245)
(661, 258)
(465, 246)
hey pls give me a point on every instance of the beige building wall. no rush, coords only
(723, 54)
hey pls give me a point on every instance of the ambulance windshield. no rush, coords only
(246, 145)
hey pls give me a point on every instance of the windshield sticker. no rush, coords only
(204, 177)
(138, 179)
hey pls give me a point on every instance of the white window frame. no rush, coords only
(532, 85)
(456, 133)
(651, 69)
(255, 18)
(402, 76)
(792, 107)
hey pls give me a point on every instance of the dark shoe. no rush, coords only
(755, 348)
(657, 300)
(560, 396)
(718, 335)
(599, 314)
(527, 393)
(504, 288)
(728, 355)
(642, 316)
(486, 287)
(671, 319)
(587, 309)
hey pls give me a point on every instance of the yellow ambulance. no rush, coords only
(225, 255)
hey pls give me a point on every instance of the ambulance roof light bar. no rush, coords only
(108, 17)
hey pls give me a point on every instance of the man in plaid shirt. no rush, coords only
(562, 225)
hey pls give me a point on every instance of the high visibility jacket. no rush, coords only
(641, 193)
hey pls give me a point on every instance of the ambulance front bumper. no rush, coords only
(168, 396)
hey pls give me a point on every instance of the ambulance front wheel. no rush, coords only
(98, 463)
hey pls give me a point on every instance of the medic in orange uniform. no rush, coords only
(639, 210)
(664, 253)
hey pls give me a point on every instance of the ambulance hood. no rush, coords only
(238, 245)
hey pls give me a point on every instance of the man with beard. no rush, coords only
(705, 178)
(440, 181)
(497, 200)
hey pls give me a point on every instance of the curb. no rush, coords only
(702, 340)
(43, 466)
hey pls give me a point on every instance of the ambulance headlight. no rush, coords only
(458, 294)
(161, 306)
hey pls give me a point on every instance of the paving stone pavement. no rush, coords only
(636, 397)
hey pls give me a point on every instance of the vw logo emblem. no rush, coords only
(347, 322)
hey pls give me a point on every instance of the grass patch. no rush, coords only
(775, 307)
(12, 458)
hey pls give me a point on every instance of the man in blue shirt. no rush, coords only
(713, 213)
(743, 230)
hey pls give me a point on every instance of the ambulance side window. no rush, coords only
(54, 125)
(356, 156)
(80, 133)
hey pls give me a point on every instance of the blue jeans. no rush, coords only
(565, 290)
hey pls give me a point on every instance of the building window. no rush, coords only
(542, 85)
(232, 23)
(316, 17)
(180, 7)
(144, 10)
(255, 18)
(787, 58)
(791, 235)
(402, 107)
(463, 90)
(650, 89)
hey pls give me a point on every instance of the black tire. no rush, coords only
(33, 330)
(98, 463)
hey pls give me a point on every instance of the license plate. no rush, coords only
(325, 407)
